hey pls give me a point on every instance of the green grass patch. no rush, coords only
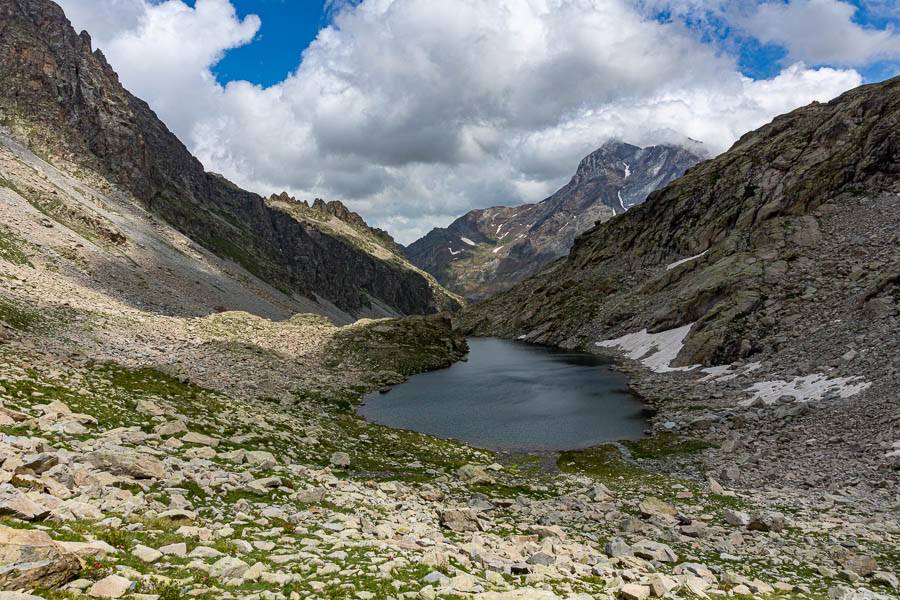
(12, 247)
(665, 445)
(18, 315)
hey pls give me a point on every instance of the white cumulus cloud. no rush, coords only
(822, 32)
(415, 111)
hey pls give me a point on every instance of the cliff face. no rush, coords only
(486, 251)
(793, 228)
(71, 104)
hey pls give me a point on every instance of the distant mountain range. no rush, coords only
(487, 251)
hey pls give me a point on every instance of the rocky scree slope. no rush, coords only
(67, 102)
(775, 266)
(489, 250)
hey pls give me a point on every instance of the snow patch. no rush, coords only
(727, 372)
(627, 170)
(684, 260)
(468, 241)
(621, 203)
(499, 227)
(498, 249)
(654, 350)
(454, 253)
(804, 389)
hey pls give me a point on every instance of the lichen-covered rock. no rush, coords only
(30, 558)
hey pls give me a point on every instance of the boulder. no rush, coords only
(460, 520)
(860, 564)
(199, 438)
(650, 550)
(761, 521)
(178, 549)
(261, 459)
(74, 511)
(617, 547)
(14, 503)
(146, 553)
(86, 550)
(474, 475)
(30, 558)
(228, 568)
(170, 428)
(126, 462)
(340, 460)
(114, 586)
(652, 505)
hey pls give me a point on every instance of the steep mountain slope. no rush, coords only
(752, 219)
(777, 267)
(66, 101)
(486, 251)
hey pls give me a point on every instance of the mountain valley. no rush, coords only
(182, 362)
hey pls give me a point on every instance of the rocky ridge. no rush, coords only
(65, 101)
(487, 251)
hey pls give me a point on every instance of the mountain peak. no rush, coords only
(486, 251)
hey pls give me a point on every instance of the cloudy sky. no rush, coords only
(415, 111)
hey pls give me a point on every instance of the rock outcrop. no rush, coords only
(489, 250)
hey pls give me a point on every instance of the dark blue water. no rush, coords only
(515, 396)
